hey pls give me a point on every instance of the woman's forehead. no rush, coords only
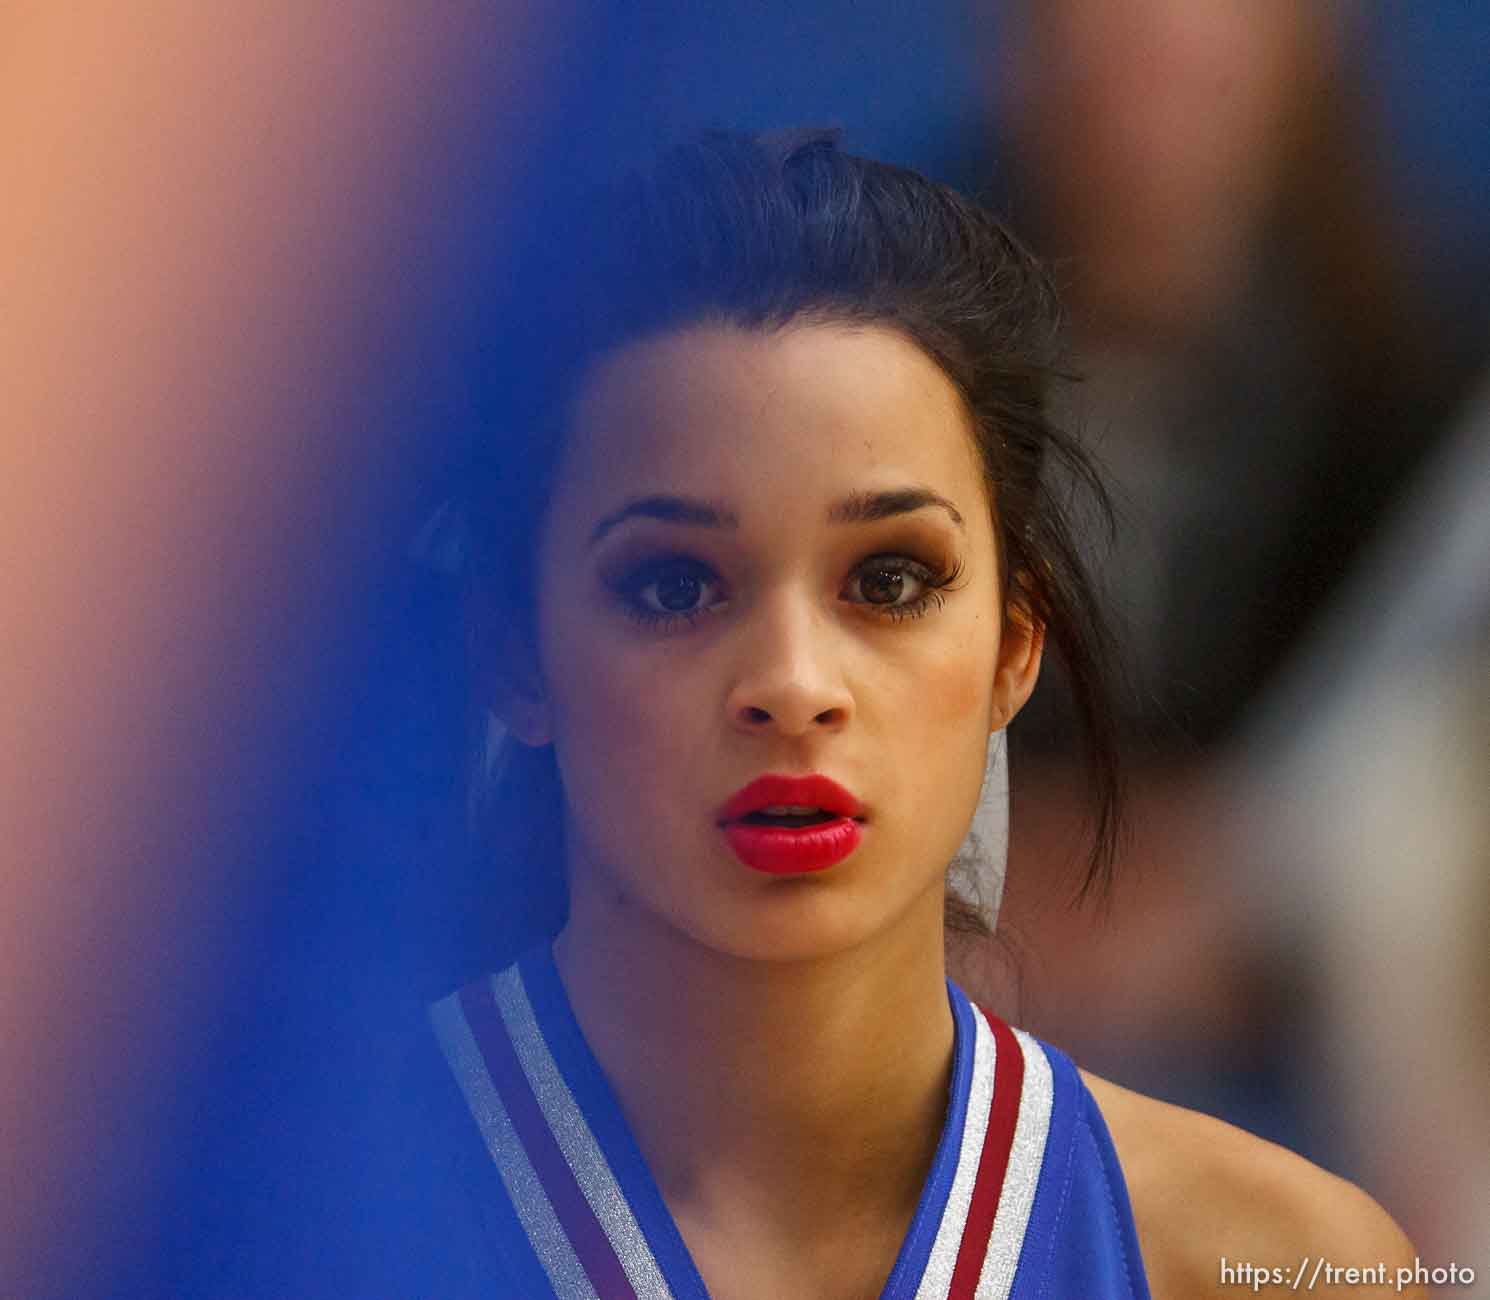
(817, 410)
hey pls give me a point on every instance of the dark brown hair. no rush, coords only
(761, 232)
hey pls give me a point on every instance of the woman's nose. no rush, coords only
(791, 679)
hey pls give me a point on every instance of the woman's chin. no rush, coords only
(796, 923)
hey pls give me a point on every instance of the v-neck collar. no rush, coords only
(590, 1208)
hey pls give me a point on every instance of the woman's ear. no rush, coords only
(1021, 646)
(505, 671)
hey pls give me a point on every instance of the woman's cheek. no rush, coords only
(623, 722)
(953, 678)
(961, 693)
(953, 695)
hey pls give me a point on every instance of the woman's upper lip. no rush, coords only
(811, 791)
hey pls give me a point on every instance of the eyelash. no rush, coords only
(934, 583)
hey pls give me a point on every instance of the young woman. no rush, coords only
(767, 553)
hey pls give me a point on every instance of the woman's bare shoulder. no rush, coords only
(1204, 1192)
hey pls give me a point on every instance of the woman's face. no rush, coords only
(714, 604)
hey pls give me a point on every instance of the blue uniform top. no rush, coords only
(1024, 1199)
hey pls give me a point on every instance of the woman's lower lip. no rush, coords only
(790, 850)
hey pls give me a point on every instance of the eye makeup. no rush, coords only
(671, 589)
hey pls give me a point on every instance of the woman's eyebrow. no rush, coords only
(865, 507)
(669, 509)
(856, 508)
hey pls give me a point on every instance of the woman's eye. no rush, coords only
(897, 586)
(668, 590)
(884, 584)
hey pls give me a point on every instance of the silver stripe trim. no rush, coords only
(572, 1132)
(936, 1281)
(537, 1216)
(1026, 1155)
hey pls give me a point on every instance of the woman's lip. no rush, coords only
(791, 851)
(811, 791)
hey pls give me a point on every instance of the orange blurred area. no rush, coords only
(204, 213)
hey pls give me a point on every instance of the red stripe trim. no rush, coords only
(1008, 1085)
(585, 1233)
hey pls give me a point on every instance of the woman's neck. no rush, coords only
(786, 1096)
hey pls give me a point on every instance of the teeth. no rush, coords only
(788, 809)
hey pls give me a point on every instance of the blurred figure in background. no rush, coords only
(1261, 375)
(1360, 817)
(1256, 365)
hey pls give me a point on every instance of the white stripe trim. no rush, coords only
(1026, 1155)
(936, 1281)
(524, 1189)
(572, 1132)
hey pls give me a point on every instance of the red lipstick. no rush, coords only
(785, 843)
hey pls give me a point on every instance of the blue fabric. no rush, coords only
(1081, 1239)
(1080, 1242)
(915, 1250)
(593, 1093)
(602, 1111)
